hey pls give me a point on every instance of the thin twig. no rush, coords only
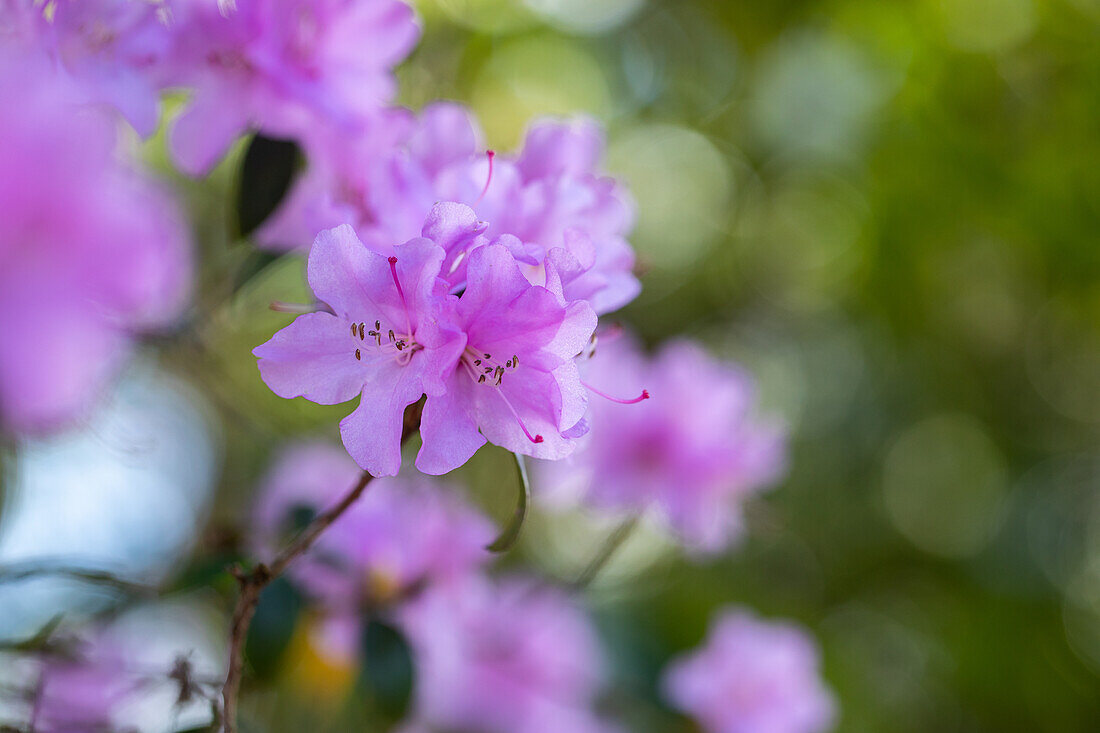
(16, 573)
(607, 550)
(252, 583)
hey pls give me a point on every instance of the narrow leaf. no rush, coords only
(508, 538)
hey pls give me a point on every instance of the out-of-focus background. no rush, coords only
(888, 211)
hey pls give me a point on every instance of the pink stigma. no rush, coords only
(488, 179)
(643, 396)
(537, 439)
(401, 293)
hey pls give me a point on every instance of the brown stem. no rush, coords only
(606, 551)
(20, 572)
(252, 583)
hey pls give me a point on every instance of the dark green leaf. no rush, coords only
(272, 627)
(387, 676)
(267, 171)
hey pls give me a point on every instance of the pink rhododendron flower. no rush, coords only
(82, 694)
(691, 453)
(148, 669)
(496, 363)
(550, 196)
(113, 51)
(288, 68)
(91, 251)
(401, 534)
(752, 676)
(503, 657)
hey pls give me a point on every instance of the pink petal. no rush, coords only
(448, 430)
(446, 134)
(372, 434)
(313, 357)
(554, 148)
(352, 279)
(201, 135)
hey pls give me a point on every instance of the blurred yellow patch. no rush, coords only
(313, 668)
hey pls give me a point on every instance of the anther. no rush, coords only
(378, 325)
(392, 337)
(481, 379)
(477, 362)
(361, 332)
(488, 356)
(358, 356)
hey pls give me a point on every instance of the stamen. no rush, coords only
(488, 179)
(643, 396)
(280, 307)
(401, 293)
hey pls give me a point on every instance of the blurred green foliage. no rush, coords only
(890, 213)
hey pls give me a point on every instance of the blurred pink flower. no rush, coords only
(550, 196)
(401, 534)
(395, 334)
(82, 694)
(752, 676)
(114, 51)
(508, 656)
(288, 68)
(91, 251)
(150, 665)
(692, 452)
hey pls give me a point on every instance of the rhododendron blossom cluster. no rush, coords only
(92, 251)
(752, 676)
(496, 362)
(551, 196)
(691, 455)
(405, 534)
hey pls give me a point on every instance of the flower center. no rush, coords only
(485, 370)
(382, 343)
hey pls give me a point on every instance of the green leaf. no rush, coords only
(267, 171)
(272, 627)
(508, 538)
(388, 672)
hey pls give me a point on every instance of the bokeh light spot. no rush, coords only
(682, 185)
(944, 485)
